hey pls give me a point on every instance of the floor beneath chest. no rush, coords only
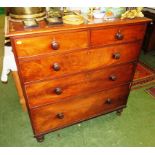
(107, 130)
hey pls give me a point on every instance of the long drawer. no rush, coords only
(88, 82)
(49, 66)
(100, 37)
(58, 115)
(52, 42)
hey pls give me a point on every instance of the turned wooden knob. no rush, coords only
(56, 66)
(112, 77)
(60, 115)
(116, 55)
(119, 36)
(58, 91)
(108, 101)
(55, 45)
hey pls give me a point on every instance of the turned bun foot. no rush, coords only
(40, 138)
(119, 112)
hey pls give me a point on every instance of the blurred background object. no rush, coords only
(54, 15)
(22, 13)
(149, 41)
(54, 12)
(132, 13)
(114, 12)
(2, 10)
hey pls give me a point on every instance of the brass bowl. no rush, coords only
(73, 19)
(22, 13)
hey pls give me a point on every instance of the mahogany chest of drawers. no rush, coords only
(74, 73)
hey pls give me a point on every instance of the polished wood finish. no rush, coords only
(42, 67)
(73, 73)
(76, 85)
(60, 114)
(117, 35)
(55, 43)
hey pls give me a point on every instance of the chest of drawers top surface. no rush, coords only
(16, 29)
(73, 73)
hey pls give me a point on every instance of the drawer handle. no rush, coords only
(55, 45)
(56, 66)
(113, 77)
(119, 36)
(58, 91)
(116, 55)
(60, 115)
(108, 101)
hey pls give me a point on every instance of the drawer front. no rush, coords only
(79, 84)
(56, 43)
(120, 34)
(49, 67)
(65, 113)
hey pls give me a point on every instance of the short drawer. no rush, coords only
(88, 82)
(54, 42)
(114, 35)
(49, 66)
(55, 116)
